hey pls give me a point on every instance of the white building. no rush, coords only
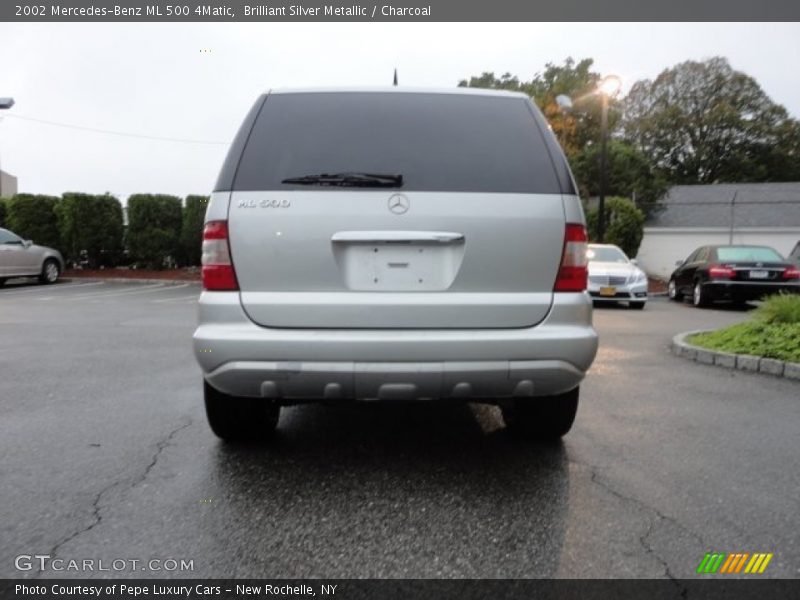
(8, 185)
(766, 214)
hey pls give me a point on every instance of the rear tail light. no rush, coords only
(573, 272)
(218, 273)
(721, 272)
(791, 273)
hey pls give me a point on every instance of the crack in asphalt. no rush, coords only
(97, 517)
(643, 539)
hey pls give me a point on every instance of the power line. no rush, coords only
(117, 133)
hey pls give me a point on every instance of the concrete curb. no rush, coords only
(129, 280)
(741, 362)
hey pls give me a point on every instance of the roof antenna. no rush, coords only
(395, 77)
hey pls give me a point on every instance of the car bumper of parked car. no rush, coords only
(241, 358)
(633, 292)
(747, 290)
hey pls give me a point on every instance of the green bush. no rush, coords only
(92, 224)
(3, 211)
(194, 212)
(624, 224)
(33, 217)
(154, 229)
(781, 341)
(780, 308)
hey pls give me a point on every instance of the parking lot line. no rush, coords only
(128, 291)
(47, 288)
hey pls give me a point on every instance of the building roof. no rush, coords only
(726, 204)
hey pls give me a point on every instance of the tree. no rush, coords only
(93, 224)
(154, 228)
(194, 212)
(630, 174)
(33, 216)
(624, 224)
(704, 122)
(3, 211)
(574, 129)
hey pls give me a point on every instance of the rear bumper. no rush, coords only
(746, 290)
(241, 358)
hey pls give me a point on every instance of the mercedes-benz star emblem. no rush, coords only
(398, 204)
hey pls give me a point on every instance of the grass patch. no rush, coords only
(773, 332)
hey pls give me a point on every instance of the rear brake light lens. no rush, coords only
(721, 272)
(791, 273)
(573, 272)
(218, 272)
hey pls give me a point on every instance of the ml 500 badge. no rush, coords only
(264, 203)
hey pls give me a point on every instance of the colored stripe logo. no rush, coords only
(735, 562)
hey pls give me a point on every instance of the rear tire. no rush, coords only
(235, 419)
(51, 271)
(544, 419)
(636, 305)
(673, 292)
(698, 297)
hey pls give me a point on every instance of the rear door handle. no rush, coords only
(398, 237)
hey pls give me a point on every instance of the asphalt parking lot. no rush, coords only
(105, 454)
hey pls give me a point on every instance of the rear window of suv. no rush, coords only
(437, 142)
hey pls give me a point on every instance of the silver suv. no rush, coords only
(394, 245)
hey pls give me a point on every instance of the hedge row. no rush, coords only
(88, 229)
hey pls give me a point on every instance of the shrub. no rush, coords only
(624, 224)
(92, 224)
(194, 212)
(3, 212)
(33, 217)
(154, 229)
(780, 309)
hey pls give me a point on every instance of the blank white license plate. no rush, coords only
(759, 274)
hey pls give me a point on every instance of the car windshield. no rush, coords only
(606, 254)
(748, 254)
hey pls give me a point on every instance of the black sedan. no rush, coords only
(734, 273)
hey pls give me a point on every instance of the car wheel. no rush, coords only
(636, 305)
(672, 291)
(50, 271)
(698, 297)
(233, 418)
(544, 418)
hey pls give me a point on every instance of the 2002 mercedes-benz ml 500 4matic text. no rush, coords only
(394, 244)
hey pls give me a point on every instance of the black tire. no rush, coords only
(51, 271)
(542, 419)
(636, 305)
(236, 419)
(698, 297)
(673, 292)
(2, 282)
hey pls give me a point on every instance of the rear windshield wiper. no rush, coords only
(349, 180)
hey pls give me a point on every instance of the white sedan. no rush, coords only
(613, 277)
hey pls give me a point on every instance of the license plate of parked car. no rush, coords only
(759, 274)
(608, 291)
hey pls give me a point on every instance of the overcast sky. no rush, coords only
(153, 80)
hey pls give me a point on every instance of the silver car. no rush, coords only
(22, 258)
(613, 277)
(394, 245)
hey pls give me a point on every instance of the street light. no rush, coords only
(608, 88)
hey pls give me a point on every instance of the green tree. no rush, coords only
(704, 122)
(576, 128)
(93, 224)
(3, 211)
(624, 224)
(154, 228)
(33, 217)
(194, 211)
(630, 174)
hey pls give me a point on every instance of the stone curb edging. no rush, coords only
(741, 362)
(129, 280)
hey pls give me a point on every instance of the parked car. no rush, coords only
(22, 258)
(794, 255)
(734, 273)
(394, 245)
(613, 277)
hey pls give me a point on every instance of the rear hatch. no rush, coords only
(471, 238)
